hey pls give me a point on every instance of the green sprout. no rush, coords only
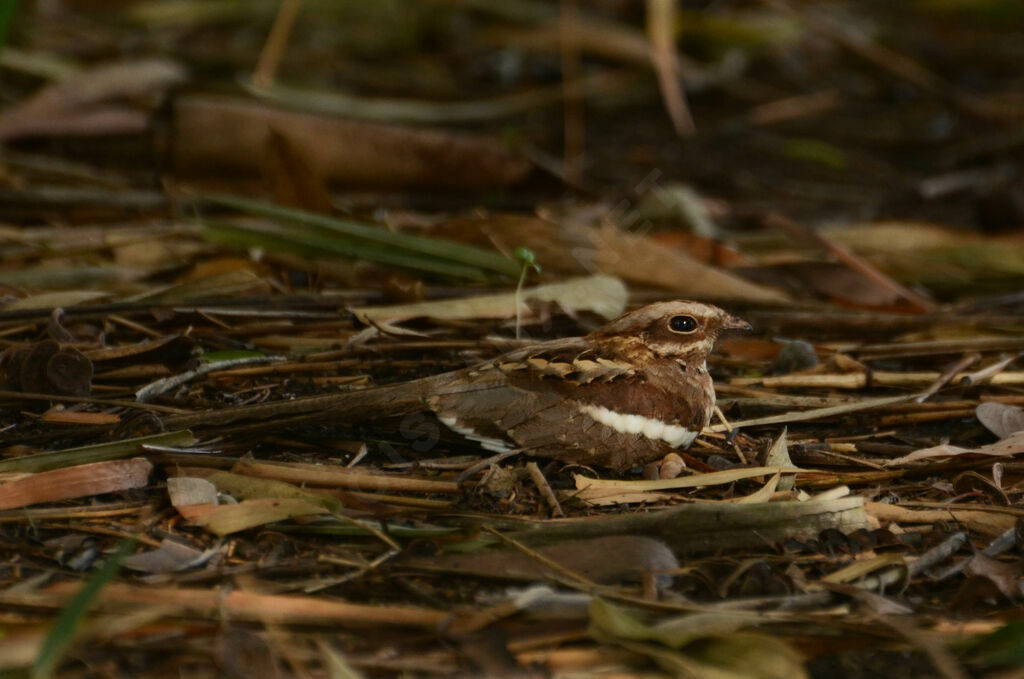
(529, 260)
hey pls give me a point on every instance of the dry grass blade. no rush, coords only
(73, 482)
(542, 559)
(569, 30)
(277, 43)
(694, 481)
(878, 378)
(815, 413)
(661, 31)
(545, 489)
(947, 376)
(333, 476)
(422, 111)
(241, 605)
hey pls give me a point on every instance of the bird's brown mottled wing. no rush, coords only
(666, 390)
(532, 400)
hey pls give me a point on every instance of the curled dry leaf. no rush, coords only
(986, 523)
(84, 104)
(196, 499)
(829, 280)
(1005, 576)
(1011, 445)
(249, 488)
(603, 295)
(778, 456)
(186, 491)
(170, 556)
(709, 644)
(637, 259)
(227, 519)
(172, 351)
(1001, 419)
(46, 367)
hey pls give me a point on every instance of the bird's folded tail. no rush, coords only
(342, 408)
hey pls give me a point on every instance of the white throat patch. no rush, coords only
(672, 434)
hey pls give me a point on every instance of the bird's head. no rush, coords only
(674, 329)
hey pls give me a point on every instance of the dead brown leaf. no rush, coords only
(1001, 419)
(227, 519)
(1011, 445)
(170, 556)
(603, 295)
(79, 481)
(226, 137)
(635, 258)
(290, 178)
(46, 367)
(1005, 576)
(986, 523)
(92, 102)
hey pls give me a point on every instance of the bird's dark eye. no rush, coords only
(682, 324)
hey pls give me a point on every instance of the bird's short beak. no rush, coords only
(734, 323)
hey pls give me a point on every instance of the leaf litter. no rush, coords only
(169, 257)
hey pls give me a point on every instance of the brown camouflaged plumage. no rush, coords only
(546, 399)
(626, 394)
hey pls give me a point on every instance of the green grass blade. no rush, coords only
(58, 459)
(441, 249)
(68, 621)
(301, 242)
(7, 8)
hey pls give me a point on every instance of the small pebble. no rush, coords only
(795, 356)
